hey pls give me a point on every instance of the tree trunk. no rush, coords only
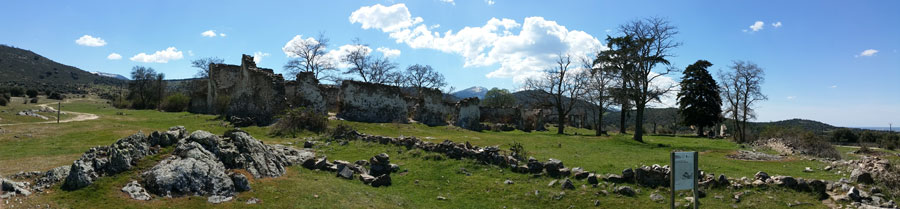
(599, 122)
(561, 123)
(700, 131)
(639, 124)
(622, 119)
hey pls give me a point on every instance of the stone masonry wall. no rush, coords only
(468, 114)
(245, 91)
(374, 103)
(430, 109)
(304, 92)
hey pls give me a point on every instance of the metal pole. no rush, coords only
(58, 109)
(672, 177)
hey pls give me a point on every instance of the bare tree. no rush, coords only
(559, 87)
(597, 88)
(654, 39)
(741, 89)
(358, 58)
(381, 70)
(203, 65)
(423, 76)
(310, 57)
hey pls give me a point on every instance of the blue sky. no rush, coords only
(832, 61)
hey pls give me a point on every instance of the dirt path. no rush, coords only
(79, 116)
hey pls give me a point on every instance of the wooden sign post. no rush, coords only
(684, 175)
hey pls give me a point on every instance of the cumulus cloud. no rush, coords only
(114, 56)
(449, 2)
(388, 52)
(209, 33)
(388, 19)
(521, 50)
(334, 55)
(776, 24)
(163, 56)
(222, 34)
(257, 56)
(757, 26)
(91, 41)
(867, 53)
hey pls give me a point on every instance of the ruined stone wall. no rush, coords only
(374, 103)
(245, 91)
(198, 93)
(304, 92)
(430, 108)
(468, 114)
(331, 94)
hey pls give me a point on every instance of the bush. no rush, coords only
(31, 93)
(6, 96)
(177, 102)
(34, 100)
(56, 96)
(518, 151)
(294, 121)
(121, 103)
(17, 91)
(844, 136)
(3, 101)
(343, 131)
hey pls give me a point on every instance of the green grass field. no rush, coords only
(44, 146)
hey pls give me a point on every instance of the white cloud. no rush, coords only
(222, 34)
(758, 25)
(164, 56)
(521, 50)
(334, 55)
(791, 97)
(388, 52)
(833, 86)
(91, 41)
(388, 19)
(777, 24)
(114, 56)
(669, 99)
(449, 2)
(190, 53)
(489, 2)
(868, 53)
(209, 33)
(257, 56)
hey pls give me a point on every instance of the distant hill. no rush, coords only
(25, 68)
(475, 91)
(111, 75)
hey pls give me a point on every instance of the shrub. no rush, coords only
(121, 103)
(56, 96)
(6, 96)
(295, 120)
(3, 101)
(844, 136)
(343, 131)
(175, 103)
(31, 93)
(34, 100)
(17, 91)
(518, 151)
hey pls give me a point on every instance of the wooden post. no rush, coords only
(696, 178)
(58, 110)
(672, 177)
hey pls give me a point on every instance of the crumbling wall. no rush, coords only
(533, 119)
(197, 90)
(246, 92)
(430, 108)
(374, 103)
(331, 94)
(468, 114)
(304, 92)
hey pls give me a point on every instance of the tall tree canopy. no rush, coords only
(560, 87)
(698, 101)
(741, 89)
(203, 65)
(498, 98)
(309, 56)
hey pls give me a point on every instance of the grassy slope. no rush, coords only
(53, 145)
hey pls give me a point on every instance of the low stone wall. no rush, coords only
(304, 92)
(373, 103)
(246, 92)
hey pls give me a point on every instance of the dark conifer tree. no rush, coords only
(699, 101)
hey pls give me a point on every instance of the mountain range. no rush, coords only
(30, 70)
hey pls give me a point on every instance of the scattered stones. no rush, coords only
(753, 156)
(508, 182)
(624, 190)
(580, 173)
(567, 184)
(241, 183)
(552, 166)
(628, 174)
(655, 197)
(253, 201)
(14, 187)
(592, 179)
(534, 166)
(552, 183)
(652, 176)
(441, 197)
(216, 199)
(135, 191)
(761, 176)
(808, 170)
(344, 171)
(862, 177)
(383, 180)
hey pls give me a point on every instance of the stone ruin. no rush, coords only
(429, 108)
(246, 93)
(305, 92)
(468, 114)
(373, 103)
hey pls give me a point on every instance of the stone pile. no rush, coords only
(378, 174)
(32, 114)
